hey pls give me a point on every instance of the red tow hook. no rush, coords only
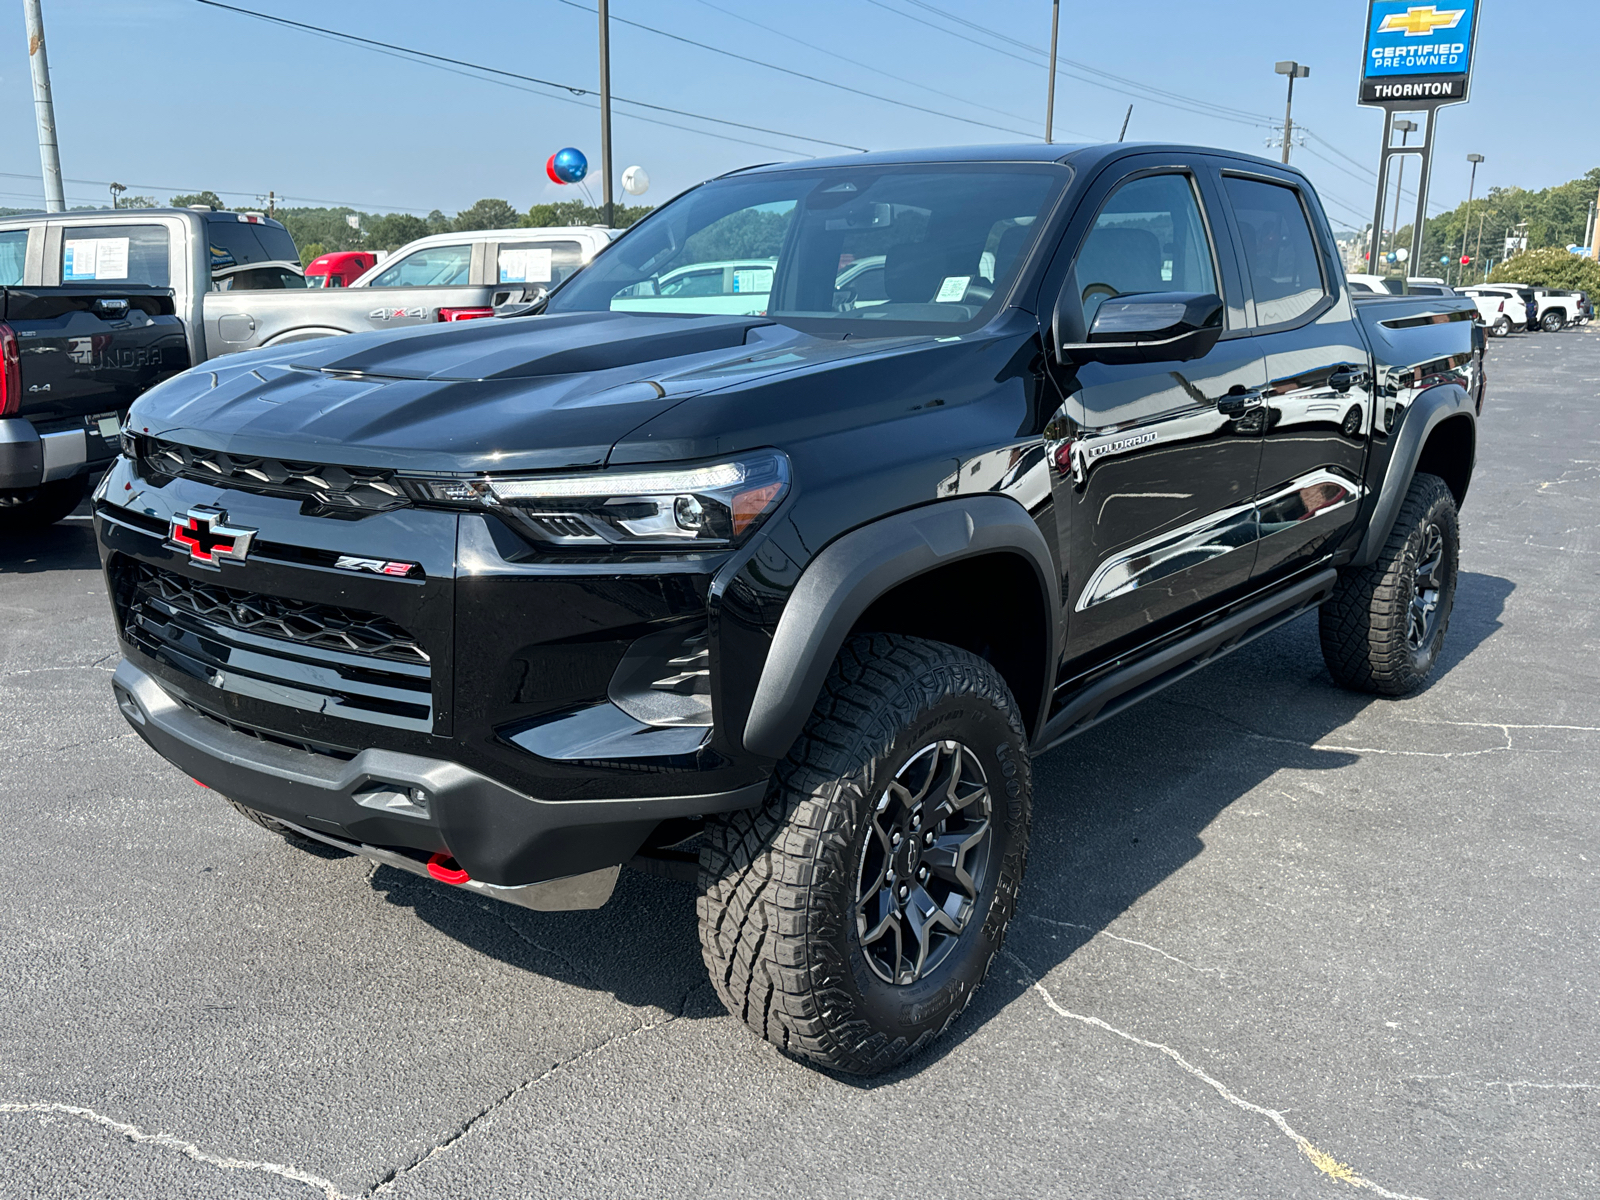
(446, 870)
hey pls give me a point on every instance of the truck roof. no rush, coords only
(1090, 154)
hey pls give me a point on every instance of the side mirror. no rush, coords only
(530, 301)
(1150, 327)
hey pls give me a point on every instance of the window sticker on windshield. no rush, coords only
(758, 279)
(94, 258)
(952, 289)
(530, 265)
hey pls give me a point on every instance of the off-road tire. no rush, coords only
(47, 505)
(1367, 623)
(282, 830)
(780, 884)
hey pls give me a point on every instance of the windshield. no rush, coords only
(876, 250)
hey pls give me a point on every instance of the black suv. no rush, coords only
(773, 549)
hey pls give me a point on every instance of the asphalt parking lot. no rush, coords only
(1276, 940)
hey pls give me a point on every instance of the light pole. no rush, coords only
(116, 194)
(605, 104)
(1406, 129)
(1294, 71)
(1466, 223)
(1050, 96)
(44, 108)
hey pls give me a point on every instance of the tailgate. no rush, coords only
(86, 349)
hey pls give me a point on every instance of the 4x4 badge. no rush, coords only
(205, 533)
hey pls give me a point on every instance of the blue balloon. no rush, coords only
(570, 165)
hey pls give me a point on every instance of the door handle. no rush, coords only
(1238, 401)
(1345, 376)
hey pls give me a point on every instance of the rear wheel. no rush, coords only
(1384, 625)
(1502, 327)
(1554, 321)
(851, 918)
(38, 508)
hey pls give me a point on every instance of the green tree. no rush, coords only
(487, 214)
(393, 230)
(206, 197)
(310, 251)
(438, 222)
(1552, 268)
(576, 212)
(137, 202)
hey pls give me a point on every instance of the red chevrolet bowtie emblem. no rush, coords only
(206, 535)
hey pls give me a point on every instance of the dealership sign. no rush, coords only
(1418, 52)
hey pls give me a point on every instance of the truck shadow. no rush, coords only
(66, 546)
(1116, 813)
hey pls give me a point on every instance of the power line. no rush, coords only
(1071, 69)
(573, 89)
(1232, 113)
(855, 62)
(843, 87)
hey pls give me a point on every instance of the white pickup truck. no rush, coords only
(236, 281)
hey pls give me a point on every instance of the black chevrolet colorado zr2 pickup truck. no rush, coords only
(1012, 438)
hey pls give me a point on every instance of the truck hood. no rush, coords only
(534, 393)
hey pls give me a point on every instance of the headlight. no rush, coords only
(718, 504)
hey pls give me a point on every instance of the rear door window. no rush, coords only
(432, 266)
(538, 262)
(13, 256)
(1279, 250)
(116, 254)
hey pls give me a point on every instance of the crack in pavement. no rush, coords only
(1512, 1084)
(1324, 1162)
(388, 1182)
(1218, 971)
(188, 1149)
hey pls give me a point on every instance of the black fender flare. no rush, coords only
(862, 565)
(1426, 413)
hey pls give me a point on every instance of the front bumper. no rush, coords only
(379, 802)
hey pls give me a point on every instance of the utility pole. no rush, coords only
(1406, 129)
(1594, 246)
(44, 110)
(1466, 223)
(1588, 228)
(1125, 121)
(1294, 71)
(1050, 96)
(605, 103)
(1477, 250)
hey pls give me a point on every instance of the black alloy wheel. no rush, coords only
(851, 918)
(925, 862)
(1427, 584)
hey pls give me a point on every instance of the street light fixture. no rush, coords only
(1406, 128)
(1294, 71)
(1466, 224)
(116, 194)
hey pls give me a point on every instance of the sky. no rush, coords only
(174, 95)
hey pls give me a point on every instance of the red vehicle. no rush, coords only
(340, 269)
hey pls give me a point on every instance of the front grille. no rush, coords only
(318, 657)
(325, 490)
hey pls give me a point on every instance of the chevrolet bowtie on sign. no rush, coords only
(1418, 52)
(204, 533)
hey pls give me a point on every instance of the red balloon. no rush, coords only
(550, 170)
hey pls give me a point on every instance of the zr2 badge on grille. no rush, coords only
(378, 566)
(204, 532)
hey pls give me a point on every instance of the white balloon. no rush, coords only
(636, 181)
(1402, 254)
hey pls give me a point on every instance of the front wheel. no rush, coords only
(1502, 327)
(850, 919)
(1384, 625)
